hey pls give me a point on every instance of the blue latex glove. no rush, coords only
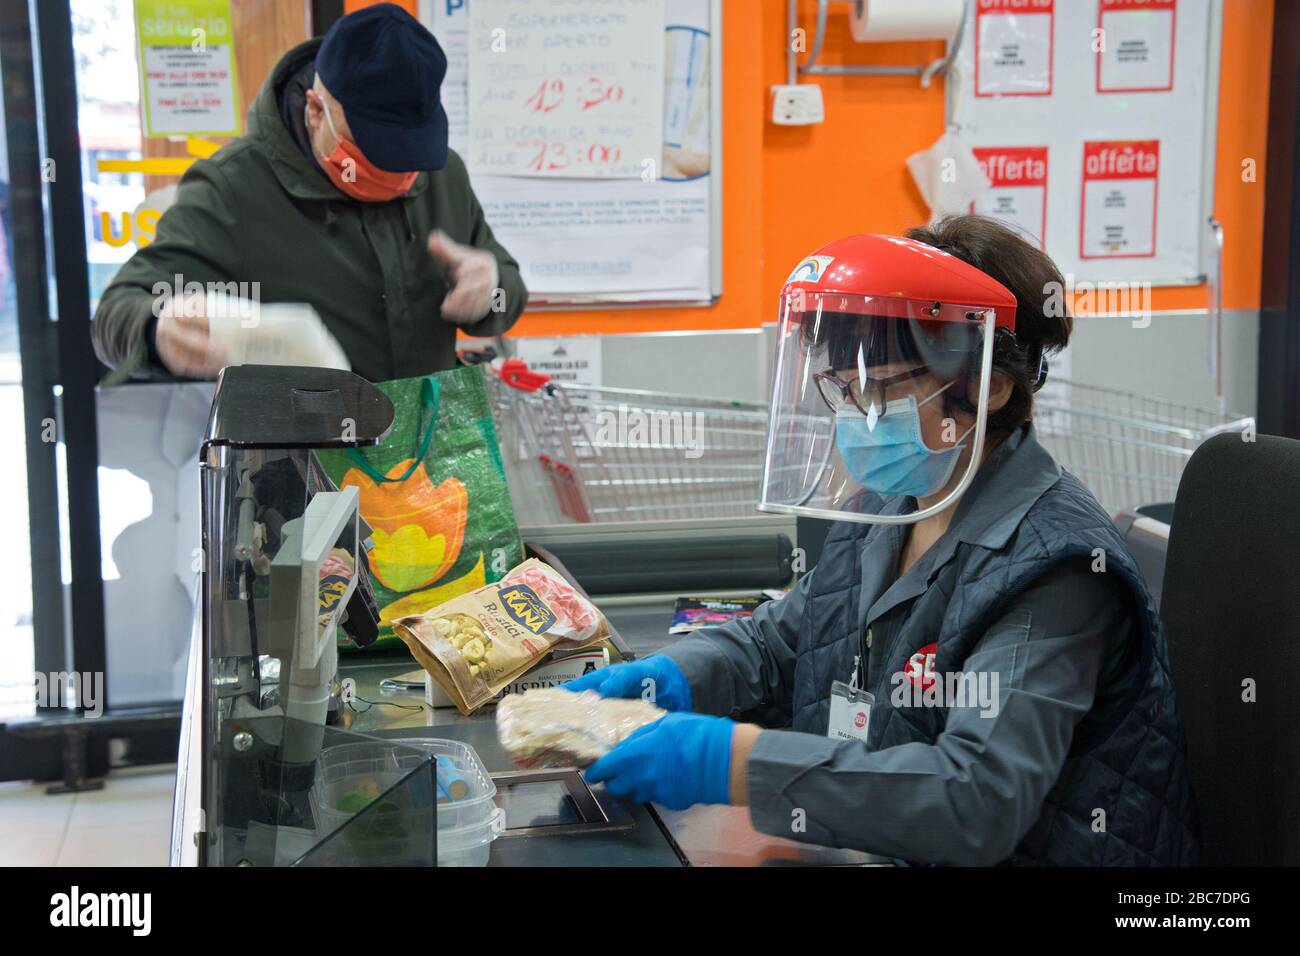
(668, 683)
(678, 761)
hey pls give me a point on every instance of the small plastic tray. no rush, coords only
(397, 832)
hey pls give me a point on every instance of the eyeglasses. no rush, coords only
(863, 391)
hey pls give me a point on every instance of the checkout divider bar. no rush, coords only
(685, 557)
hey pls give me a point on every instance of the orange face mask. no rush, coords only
(350, 171)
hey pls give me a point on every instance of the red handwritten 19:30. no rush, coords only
(588, 94)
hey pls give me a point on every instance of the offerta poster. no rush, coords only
(1017, 193)
(1120, 188)
(1137, 52)
(1014, 47)
(594, 239)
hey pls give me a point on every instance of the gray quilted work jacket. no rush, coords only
(1071, 754)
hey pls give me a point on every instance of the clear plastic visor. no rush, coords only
(879, 407)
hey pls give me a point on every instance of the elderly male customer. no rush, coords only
(343, 195)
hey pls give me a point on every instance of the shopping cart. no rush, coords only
(617, 454)
(1129, 449)
(609, 454)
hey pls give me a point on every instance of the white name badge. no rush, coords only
(850, 712)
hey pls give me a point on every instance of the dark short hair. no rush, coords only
(1033, 278)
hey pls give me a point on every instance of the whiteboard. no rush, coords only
(588, 242)
(1081, 113)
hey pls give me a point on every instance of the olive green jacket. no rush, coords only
(260, 211)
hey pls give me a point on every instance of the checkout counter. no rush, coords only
(540, 832)
(269, 699)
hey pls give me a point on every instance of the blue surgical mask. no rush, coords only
(887, 455)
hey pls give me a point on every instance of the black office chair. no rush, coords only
(1231, 607)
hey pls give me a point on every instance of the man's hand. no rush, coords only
(473, 274)
(183, 342)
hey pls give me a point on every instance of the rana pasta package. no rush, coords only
(477, 643)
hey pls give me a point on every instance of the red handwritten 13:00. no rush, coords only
(555, 155)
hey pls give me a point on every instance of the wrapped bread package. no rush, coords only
(478, 642)
(553, 727)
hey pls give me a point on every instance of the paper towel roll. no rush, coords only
(876, 21)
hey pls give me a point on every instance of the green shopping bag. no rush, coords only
(435, 496)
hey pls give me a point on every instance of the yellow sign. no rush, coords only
(187, 67)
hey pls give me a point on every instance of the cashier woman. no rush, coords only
(343, 195)
(973, 673)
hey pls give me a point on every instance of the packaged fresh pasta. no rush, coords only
(553, 727)
(478, 642)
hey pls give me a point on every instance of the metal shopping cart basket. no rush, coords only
(1129, 449)
(617, 454)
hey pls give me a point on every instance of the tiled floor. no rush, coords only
(127, 823)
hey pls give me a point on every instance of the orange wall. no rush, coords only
(787, 190)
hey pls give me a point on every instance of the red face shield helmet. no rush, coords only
(880, 391)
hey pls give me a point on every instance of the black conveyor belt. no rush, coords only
(681, 565)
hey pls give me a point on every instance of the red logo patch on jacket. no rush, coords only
(920, 667)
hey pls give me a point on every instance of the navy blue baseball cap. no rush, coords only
(386, 70)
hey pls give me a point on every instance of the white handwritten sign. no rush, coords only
(566, 88)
